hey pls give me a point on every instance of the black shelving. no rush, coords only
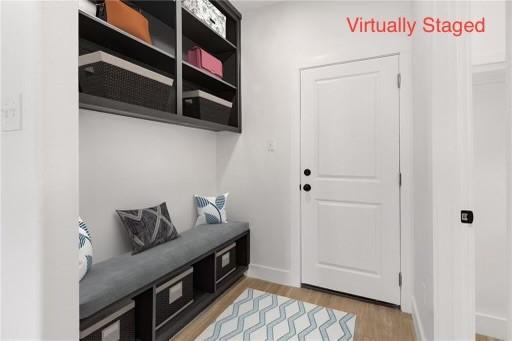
(102, 34)
(163, 10)
(205, 79)
(203, 35)
(174, 30)
(201, 301)
(205, 290)
(109, 106)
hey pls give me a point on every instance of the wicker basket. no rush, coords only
(105, 75)
(207, 107)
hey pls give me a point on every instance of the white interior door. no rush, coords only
(351, 211)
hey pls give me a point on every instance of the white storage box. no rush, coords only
(207, 13)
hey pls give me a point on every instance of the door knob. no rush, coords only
(307, 172)
(307, 187)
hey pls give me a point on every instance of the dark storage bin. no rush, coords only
(119, 326)
(105, 75)
(173, 296)
(225, 262)
(205, 106)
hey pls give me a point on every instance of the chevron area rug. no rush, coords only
(257, 315)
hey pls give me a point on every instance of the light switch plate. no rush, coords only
(11, 113)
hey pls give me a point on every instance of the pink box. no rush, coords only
(202, 59)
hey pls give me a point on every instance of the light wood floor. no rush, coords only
(374, 322)
(485, 338)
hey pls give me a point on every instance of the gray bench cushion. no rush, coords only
(119, 277)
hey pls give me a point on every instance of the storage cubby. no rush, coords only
(174, 31)
(169, 304)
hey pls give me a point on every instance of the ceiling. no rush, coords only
(246, 6)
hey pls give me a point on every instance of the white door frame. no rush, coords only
(454, 242)
(508, 75)
(1, 190)
(406, 168)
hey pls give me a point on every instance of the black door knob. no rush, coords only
(307, 172)
(307, 187)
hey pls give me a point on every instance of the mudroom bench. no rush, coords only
(152, 295)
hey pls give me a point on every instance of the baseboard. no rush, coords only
(493, 326)
(270, 274)
(416, 320)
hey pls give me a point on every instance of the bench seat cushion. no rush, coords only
(121, 276)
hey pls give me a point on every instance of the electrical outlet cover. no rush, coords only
(11, 113)
(271, 145)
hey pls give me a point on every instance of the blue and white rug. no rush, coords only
(257, 315)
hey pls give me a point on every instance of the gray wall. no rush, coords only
(130, 163)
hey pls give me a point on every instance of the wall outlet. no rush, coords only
(11, 113)
(271, 145)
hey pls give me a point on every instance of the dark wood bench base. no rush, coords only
(187, 291)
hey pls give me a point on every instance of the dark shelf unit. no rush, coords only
(205, 291)
(201, 301)
(199, 32)
(206, 79)
(179, 30)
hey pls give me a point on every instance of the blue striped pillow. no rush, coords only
(84, 249)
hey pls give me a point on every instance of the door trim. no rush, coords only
(406, 168)
(508, 64)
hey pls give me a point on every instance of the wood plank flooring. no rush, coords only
(484, 338)
(374, 322)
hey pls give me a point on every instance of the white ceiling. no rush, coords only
(245, 6)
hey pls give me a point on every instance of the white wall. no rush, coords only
(443, 303)
(423, 303)
(128, 163)
(266, 184)
(39, 199)
(489, 47)
(490, 140)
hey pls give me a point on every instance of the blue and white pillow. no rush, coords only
(84, 249)
(211, 210)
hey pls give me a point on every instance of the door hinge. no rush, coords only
(400, 279)
(300, 187)
(400, 179)
(399, 80)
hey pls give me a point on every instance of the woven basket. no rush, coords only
(104, 75)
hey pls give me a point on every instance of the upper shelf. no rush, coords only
(163, 10)
(106, 105)
(104, 34)
(204, 78)
(204, 36)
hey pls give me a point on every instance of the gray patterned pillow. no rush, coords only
(148, 227)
